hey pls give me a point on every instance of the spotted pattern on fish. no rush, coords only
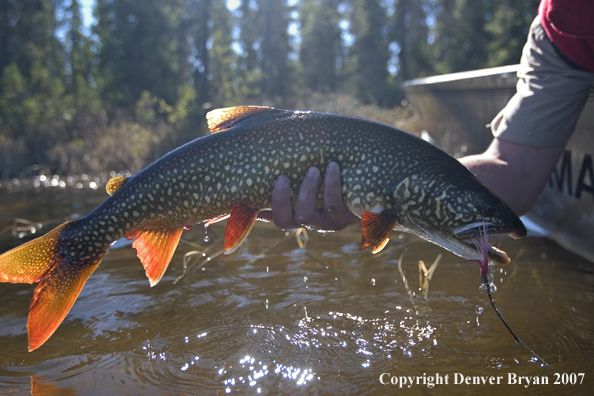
(390, 178)
(207, 177)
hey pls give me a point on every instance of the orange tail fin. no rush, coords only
(61, 270)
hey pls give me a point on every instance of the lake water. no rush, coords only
(277, 319)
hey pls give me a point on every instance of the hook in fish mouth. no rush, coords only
(469, 233)
(494, 254)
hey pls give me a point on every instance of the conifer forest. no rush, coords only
(136, 81)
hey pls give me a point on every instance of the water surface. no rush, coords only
(274, 318)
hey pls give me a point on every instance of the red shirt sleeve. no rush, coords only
(569, 24)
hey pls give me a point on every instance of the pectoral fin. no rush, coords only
(381, 246)
(376, 229)
(155, 249)
(239, 225)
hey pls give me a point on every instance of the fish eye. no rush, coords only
(489, 208)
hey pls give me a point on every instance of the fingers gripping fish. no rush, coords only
(391, 179)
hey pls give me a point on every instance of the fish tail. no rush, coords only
(60, 262)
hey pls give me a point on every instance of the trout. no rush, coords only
(391, 180)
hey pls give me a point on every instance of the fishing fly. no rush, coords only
(482, 245)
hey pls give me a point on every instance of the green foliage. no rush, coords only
(370, 50)
(146, 108)
(473, 34)
(142, 48)
(408, 28)
(321, 44)
(141, 83)
(461, 35)
(14, 85)
(224, 81)
(508, 29)
(186, 101)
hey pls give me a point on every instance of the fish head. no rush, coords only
(450, 207)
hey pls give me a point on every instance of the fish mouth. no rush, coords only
(468, 234)
(475, 230)
(494, 254)
(465, 240)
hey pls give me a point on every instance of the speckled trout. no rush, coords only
(391, 179)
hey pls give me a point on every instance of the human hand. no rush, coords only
(333, 217)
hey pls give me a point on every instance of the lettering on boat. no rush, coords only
(563, 181)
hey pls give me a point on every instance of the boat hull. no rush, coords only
(456, 110)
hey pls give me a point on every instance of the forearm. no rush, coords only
(516, 172)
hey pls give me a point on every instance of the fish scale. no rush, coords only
(390, 179)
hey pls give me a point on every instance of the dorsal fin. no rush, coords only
(115, 183)
(223, 119)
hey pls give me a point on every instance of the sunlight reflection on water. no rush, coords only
(276, 319)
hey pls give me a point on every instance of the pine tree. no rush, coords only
(142, 49)
(460, 35)
(200, 38)
(508, 27)
(369, 53)
(321, 44)
(35, 106)
(266, 47)
(410, 32)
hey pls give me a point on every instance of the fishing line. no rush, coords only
(482, 244)
(485, 282)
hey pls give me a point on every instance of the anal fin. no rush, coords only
(239, 225)
(155, 248)
(376, 229)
